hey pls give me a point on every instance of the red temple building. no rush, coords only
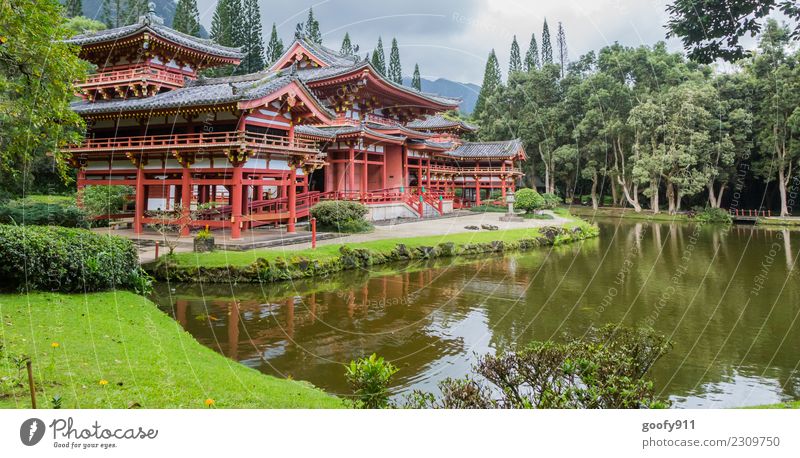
(267, 146)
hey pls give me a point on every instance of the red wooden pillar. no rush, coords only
(404, 175)
(365, 174)
(503, 186)
(384, 171)
(290, 226)
(351, 168)
(186, 197)
(138, 212)
(81, 185)
(477, 190)
(428, 180)
(236, 202)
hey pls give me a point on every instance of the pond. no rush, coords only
(728, 298)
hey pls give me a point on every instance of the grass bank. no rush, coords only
(791, 222)
(275, 265)
(117, 350)
(627, 213)
(782, 405)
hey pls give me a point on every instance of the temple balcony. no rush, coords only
(205, 142)
(469, 170)
(138, 82)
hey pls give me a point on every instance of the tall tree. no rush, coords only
(416, 80)
(226, 23)
(37, 71)
(378, 58)
(187, 18)
(347, 45)
(312, 28)
(134, 9)
(492, 79)
(112, 13)
(547, 47)
(252, 42)
(561, 45)
(777, 72)
(73, 8)
(395, 72)
(532, 56)
(515, 61)
(711, 29)
(274, 47)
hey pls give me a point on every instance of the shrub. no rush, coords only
(67, 260)
(341, 216)
(606, 369)
(101, 201)
(714, 216)
(37, 212)
(369, 378)
(551, 200)
(528, 200)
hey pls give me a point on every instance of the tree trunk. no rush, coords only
(712, 197)
(633, 201)
(614, 193)
(670, 198)
(782, 189)
(654, 196)
(722, 188)
(594, 191)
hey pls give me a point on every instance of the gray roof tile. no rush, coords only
(487, 150)
(155, 25)
(439, 122)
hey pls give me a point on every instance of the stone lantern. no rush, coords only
(511, 216)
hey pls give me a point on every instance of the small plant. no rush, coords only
(204, 234)
(528, 200)
(714, 216)
(369, 379)
(341, 216)
(56, 401)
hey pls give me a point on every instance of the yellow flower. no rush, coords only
(55, 344)
(209, 402)
(103, 382)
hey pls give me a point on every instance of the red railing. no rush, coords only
(750, 213)
(342, 119)
(203, 139)
(133, 74)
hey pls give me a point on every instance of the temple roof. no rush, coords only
(313, 131)
(202, 92)
(322, 53)
(360, 130)
(154, 25)
(437, 122)
(488, 150)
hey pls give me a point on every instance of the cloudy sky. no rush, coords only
(452, 38)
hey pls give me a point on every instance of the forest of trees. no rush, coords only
(646, 127)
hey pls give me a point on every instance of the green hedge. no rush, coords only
(67, 260)
(38, 213)
(341, 216)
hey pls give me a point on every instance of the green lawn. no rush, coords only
(116, 350)
(627, 213)
(330, 252)
(784, 405)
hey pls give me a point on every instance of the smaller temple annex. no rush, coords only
(267, 146)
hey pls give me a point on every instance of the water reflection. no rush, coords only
(728, 298)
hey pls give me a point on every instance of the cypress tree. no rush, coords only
(133, 10)
(416, 80)
(347, 46)
(312, 28)
(227, 23)
(275, 46)
(73, 8)
(378, 58)
(547, 48)
(561, 44)
(532, 56)
(491, 80)
(187, 18)
(395, 69)
(252, 43)
(111, 13)
(515, 62)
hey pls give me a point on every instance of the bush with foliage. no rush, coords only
(604, 370)
(103, 201)
(341, 216)
(69, 260)
(39, 212)
(369, 378)
(714, 216)
(528, 199)
(551, 200)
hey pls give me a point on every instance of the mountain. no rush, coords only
(164, 8)
(468, 92)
